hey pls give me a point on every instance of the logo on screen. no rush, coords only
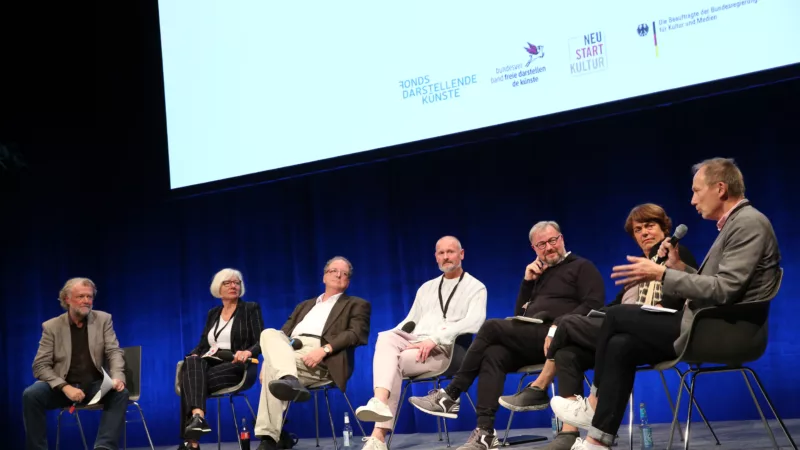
(519, 73)
(588, 54)
(643, 30)
(534, 52)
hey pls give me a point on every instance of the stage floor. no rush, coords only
(732, 435)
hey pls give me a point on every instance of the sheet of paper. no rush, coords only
(104, 388)
(596, 313)
(659, 310)
(525, 319)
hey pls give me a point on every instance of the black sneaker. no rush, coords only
(289, 390)
(267, 443)
(529, 399)
(196, 428)
(437, 403)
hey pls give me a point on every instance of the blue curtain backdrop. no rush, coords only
(153, 259)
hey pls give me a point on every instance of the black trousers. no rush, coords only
(198, 380)
(572, 348)
(630, 337)
(500, 347)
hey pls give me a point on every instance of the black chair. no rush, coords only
(727, 337)
(133, 377)
(248, 380)
(457, 352)
(325, 386)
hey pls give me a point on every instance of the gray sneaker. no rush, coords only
(437, 403)
(481, 440)
(563, 441)
(529, 399)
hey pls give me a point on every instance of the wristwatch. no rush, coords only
(327, 349)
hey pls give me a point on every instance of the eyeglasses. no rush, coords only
(228, 282)
(552, 241)
(338, 272)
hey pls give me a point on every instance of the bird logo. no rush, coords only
(534, 52)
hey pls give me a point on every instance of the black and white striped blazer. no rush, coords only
(245, 331)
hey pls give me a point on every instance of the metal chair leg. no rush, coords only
(397, 414)
(677, 407)
(438, 424)
(760, 411)
(219, 424)
(316, 416)
(58, 428)
(146, 431)
(471, 402)
(511, 416)
(771, 406)
(630, 421)
(80, 428)
(330, 417)
(251, 408)
(363, 434)
(689, 414)
(235, 422)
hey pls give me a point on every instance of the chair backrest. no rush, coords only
(133, 371)
(731, 334)
(460, 347)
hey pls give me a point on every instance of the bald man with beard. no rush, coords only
(445, 307)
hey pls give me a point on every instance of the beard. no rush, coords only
(554, 258)
(81, 311)
(450, 268)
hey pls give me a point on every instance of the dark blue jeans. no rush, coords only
(38, 398)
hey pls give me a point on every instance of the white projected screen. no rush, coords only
(253, 85)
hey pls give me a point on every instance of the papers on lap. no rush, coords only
(105, 387)
(659, 310)
(524, 319)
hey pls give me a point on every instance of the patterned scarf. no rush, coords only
(650, 293)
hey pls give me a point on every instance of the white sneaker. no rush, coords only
(374, 411)
(576, 412)
(578, 445)
(374, 444)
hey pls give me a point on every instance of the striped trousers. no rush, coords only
(199, 380)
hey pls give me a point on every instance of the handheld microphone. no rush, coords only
(296, 344)
(680, 232)
(408, 327)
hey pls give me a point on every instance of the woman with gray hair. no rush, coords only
(230, 340)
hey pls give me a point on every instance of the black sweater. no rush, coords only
(667, 301)
(574, 286)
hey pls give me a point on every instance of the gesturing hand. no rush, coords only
(640, 269)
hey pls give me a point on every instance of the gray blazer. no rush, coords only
(741, 266)
(53, 358)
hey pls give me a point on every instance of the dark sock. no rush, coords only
(489, 428)
(452, 392)
(535, 388)
(574, 433)
(289, 377)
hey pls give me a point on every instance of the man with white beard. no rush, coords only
(74, 348)
(444, 308)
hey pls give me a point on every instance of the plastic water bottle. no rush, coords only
(347, 433)
(647, 432)
(244, 435)
(554, 425)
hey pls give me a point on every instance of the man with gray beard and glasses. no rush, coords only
(557, 283)
(445, 307)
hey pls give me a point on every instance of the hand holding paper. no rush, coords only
(105, 387)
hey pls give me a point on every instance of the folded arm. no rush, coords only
(591, 291)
